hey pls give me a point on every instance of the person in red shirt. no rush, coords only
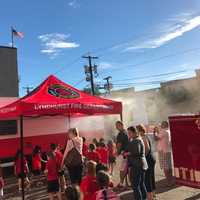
(18, 170)
(103, 151)
(111, 156)
(37, 161)
(59, 157)
(88, 184)
(52, 170)
(93, 154)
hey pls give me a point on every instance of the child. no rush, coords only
(111, 155)
(103, 151)
(1, 183)
(52, 170)
(73, 192)
(18, 170)
(37, 161)
(88, 184)
(93, 154)
(101, 167)
(105, 192)
(59, 157)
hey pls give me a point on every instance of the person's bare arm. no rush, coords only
(67, 149)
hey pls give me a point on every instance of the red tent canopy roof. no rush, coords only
(54, 97)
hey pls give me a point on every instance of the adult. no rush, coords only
(137, 163)
(73, 148)
(151, 161)
(164, 150)
(121, 144)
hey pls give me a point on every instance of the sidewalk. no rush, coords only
(166, 193)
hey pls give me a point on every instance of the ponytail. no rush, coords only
(105, 195)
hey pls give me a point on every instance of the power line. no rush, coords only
(79, 82)
(68, 65)
(155, 59)
(139, 83)
(61, 69)
(28, 89)
(153, 76)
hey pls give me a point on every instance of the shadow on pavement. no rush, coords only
(196, 197)
(127, 197)
(161, 186)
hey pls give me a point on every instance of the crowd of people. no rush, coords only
(90, 166)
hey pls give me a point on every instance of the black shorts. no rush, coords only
(21, 175)
(36, 172)
(112, 159)
(53, 186)
(61, 173)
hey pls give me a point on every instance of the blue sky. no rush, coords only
(125, 34)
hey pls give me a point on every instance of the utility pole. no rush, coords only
(108, 85)
(28, 89)
(89, 71)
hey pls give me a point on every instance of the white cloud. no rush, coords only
(74, 4)
(54, 43)
(184, 23)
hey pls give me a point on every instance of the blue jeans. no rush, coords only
(138, 183)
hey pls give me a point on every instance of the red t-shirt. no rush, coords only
(52, 168)
(36, 162)
(85, 149)
(112, 151)
(18, 166)
(103, 155)
(59, 158)
(94, 156)
(88, 186)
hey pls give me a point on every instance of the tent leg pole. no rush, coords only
(22, 154)
(69, 121)
(121, 117)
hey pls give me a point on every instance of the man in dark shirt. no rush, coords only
(121, 143)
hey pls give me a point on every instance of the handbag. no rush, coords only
(150, 158)
(73, 158)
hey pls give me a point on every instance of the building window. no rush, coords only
(8, 127)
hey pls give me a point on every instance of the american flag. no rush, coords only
(17, 33)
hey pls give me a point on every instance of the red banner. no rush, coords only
(185, 133)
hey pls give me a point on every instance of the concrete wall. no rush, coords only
(8, 72)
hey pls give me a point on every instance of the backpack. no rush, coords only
(73, 157)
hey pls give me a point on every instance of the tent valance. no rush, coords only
(54, 97)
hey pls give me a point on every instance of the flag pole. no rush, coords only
(12, 38)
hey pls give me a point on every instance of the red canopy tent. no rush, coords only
(54, 97)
